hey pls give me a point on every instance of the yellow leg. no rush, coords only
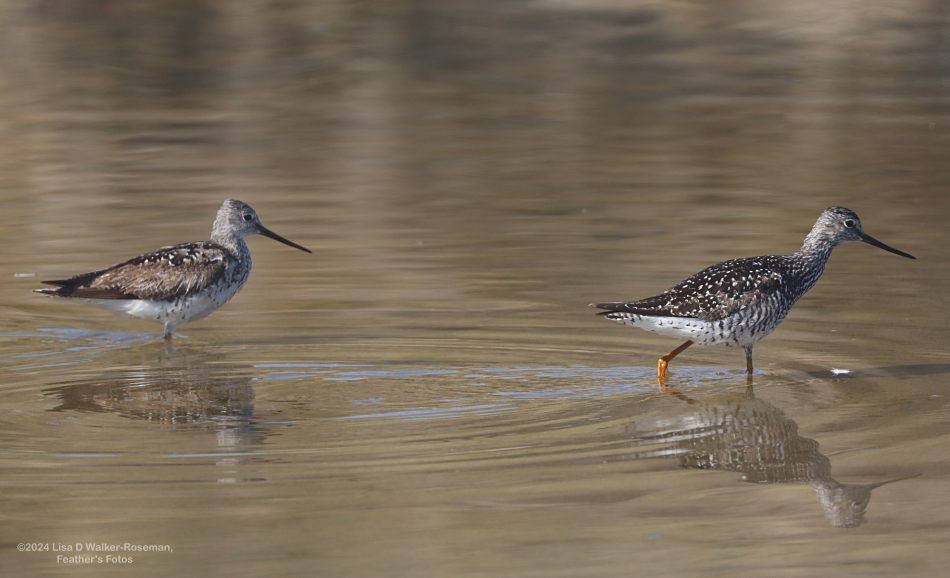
(665, 360)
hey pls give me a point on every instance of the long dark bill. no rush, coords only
(872, 241)
(885, 482)
(268, 233)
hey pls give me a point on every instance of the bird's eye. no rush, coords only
(249, 217)
(849, 223)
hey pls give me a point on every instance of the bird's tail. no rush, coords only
(63, 288)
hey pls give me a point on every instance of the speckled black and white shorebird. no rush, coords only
(740, 301)
(177, 284)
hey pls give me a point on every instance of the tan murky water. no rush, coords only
(428, 394)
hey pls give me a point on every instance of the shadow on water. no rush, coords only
(740, 433)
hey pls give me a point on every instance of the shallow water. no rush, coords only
(428, 394)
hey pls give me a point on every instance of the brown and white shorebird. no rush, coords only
(177, 284)
(740, 301)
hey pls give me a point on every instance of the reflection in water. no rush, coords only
(739, 433)
(178, 392)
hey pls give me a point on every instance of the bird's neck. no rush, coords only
(811, 259)
(815, 252)
(233, 243)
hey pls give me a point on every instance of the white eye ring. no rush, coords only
(849, 223)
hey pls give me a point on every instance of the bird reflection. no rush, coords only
(180, 392)
(740, 433)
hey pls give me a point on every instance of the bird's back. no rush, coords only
(166, 274)
(720, 290)
(735, 302)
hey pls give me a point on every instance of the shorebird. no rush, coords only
(740, 301)
(177, 284)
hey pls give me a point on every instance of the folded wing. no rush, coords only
(166, 274)
(712, 294)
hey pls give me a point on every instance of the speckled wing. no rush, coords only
(715, 292)
(162, 275)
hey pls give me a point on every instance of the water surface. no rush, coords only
(428, 394)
